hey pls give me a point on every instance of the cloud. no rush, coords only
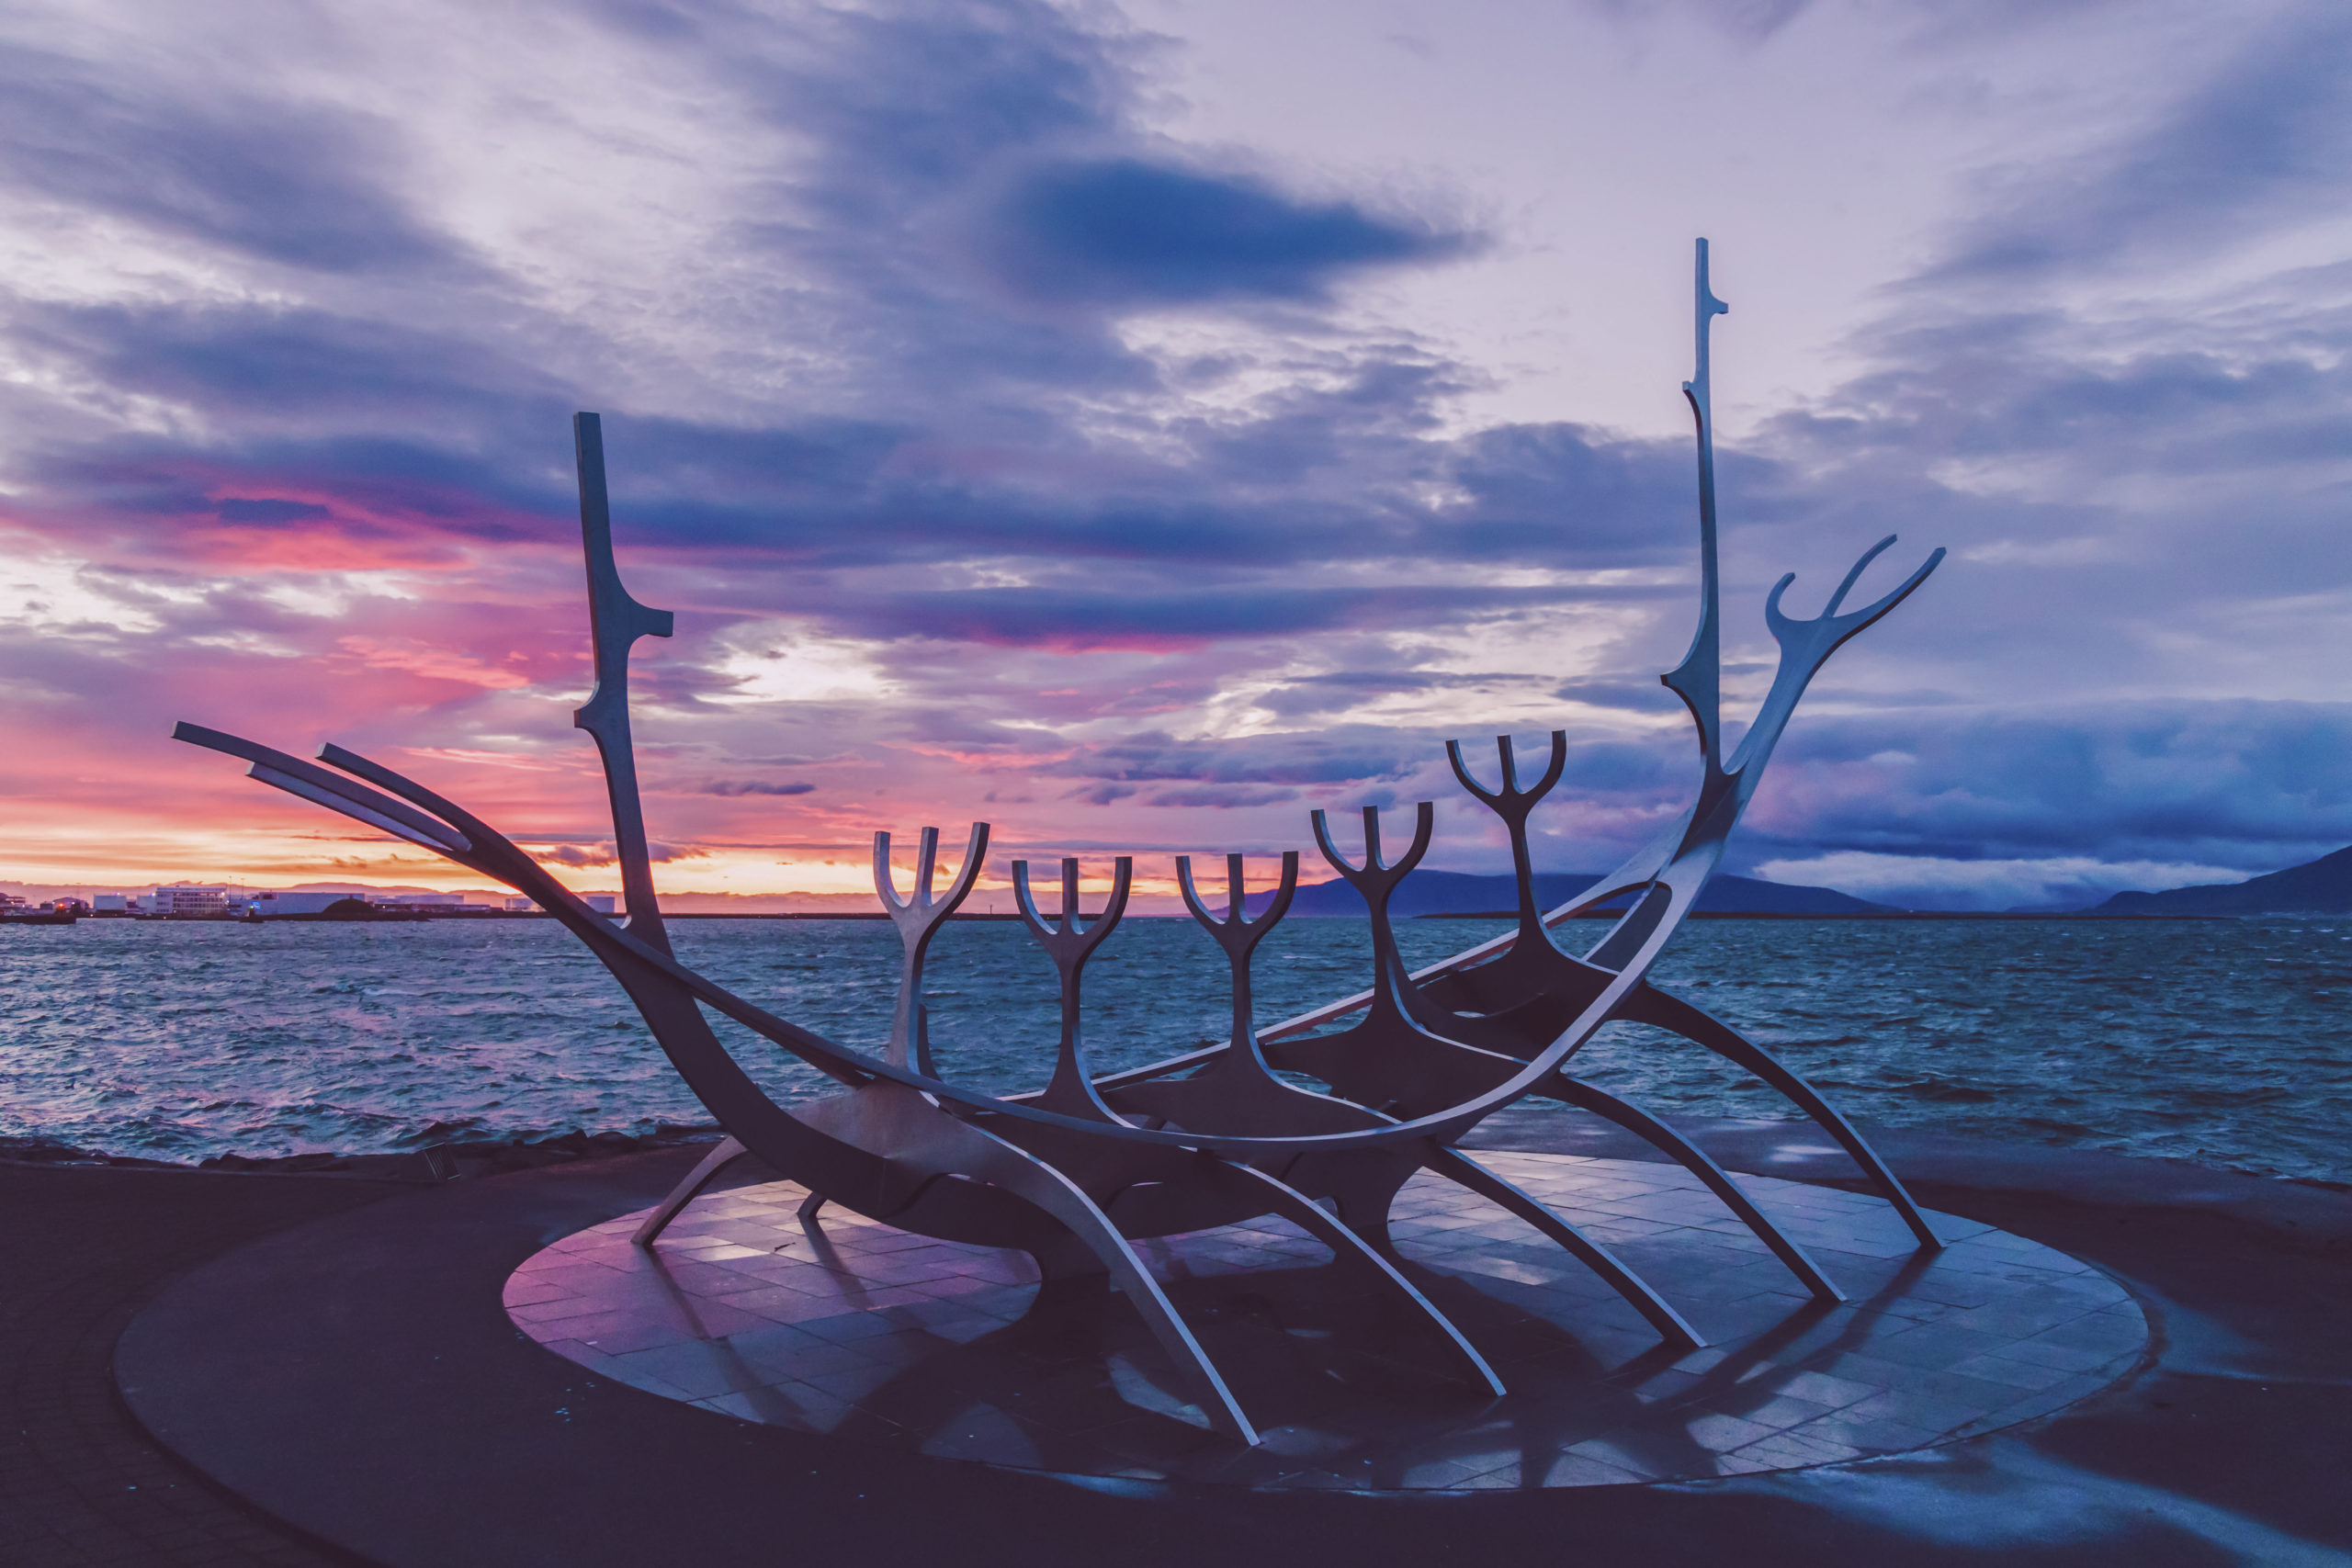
(1128, 233)
(991, 438)
(264, 509)
(1085, 618)
(1222, 797)
(591, 855)
(2249, 785)
(751, 786)
(2251, 146)
(1927, 883)
(296, 183)
(574, 855)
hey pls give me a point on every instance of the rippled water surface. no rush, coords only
(2224, 1041)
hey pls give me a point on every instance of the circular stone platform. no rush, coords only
(851, 1328)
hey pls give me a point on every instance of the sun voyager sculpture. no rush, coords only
(1077, 1172)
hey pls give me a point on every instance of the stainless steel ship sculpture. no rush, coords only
(1076, 1173)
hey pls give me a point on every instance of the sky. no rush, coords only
(1139, 425)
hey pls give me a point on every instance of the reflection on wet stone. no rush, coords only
(848, 1327)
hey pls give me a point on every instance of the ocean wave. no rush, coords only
(187, 1042)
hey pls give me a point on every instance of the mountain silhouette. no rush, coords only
(1459, 892)
(2323, 886)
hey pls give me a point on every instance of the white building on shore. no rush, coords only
(285, 901)
(187, 899)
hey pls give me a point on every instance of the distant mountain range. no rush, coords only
(2322, 887)
(1458, 892)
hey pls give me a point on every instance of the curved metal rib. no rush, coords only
(1665, 1011)
(1639, 1294)
(1238, 935)
(688, 1189)
(920, 1135)
(1695, 1160)
(1350, 1251)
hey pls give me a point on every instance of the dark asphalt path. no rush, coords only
(81, 1250)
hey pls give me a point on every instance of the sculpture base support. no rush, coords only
(852, 1330)
(726, 1151)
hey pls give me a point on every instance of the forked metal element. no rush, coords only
(1513, 803)
(1070, 945)
(918, 917)
(1387, 1060)
(1077, 1172)
(1240, 935)
(1236, 1092)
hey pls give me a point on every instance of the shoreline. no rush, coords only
(432, 1163)
(1533, 1127)
(406, 917)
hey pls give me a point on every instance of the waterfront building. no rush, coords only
(423, 903)
(187, 899)
(282, 901)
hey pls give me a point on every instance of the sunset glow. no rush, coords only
(1031, 420)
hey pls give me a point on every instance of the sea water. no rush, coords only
(2225, 1041)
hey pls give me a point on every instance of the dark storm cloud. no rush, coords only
(747, 787)
(1088, 617)
(910, 101)
(1635, 695)
(1127, 231)
(251, 509)
(2254, 785)
(1222, 797)
(1533, 490)
(1336, 754)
